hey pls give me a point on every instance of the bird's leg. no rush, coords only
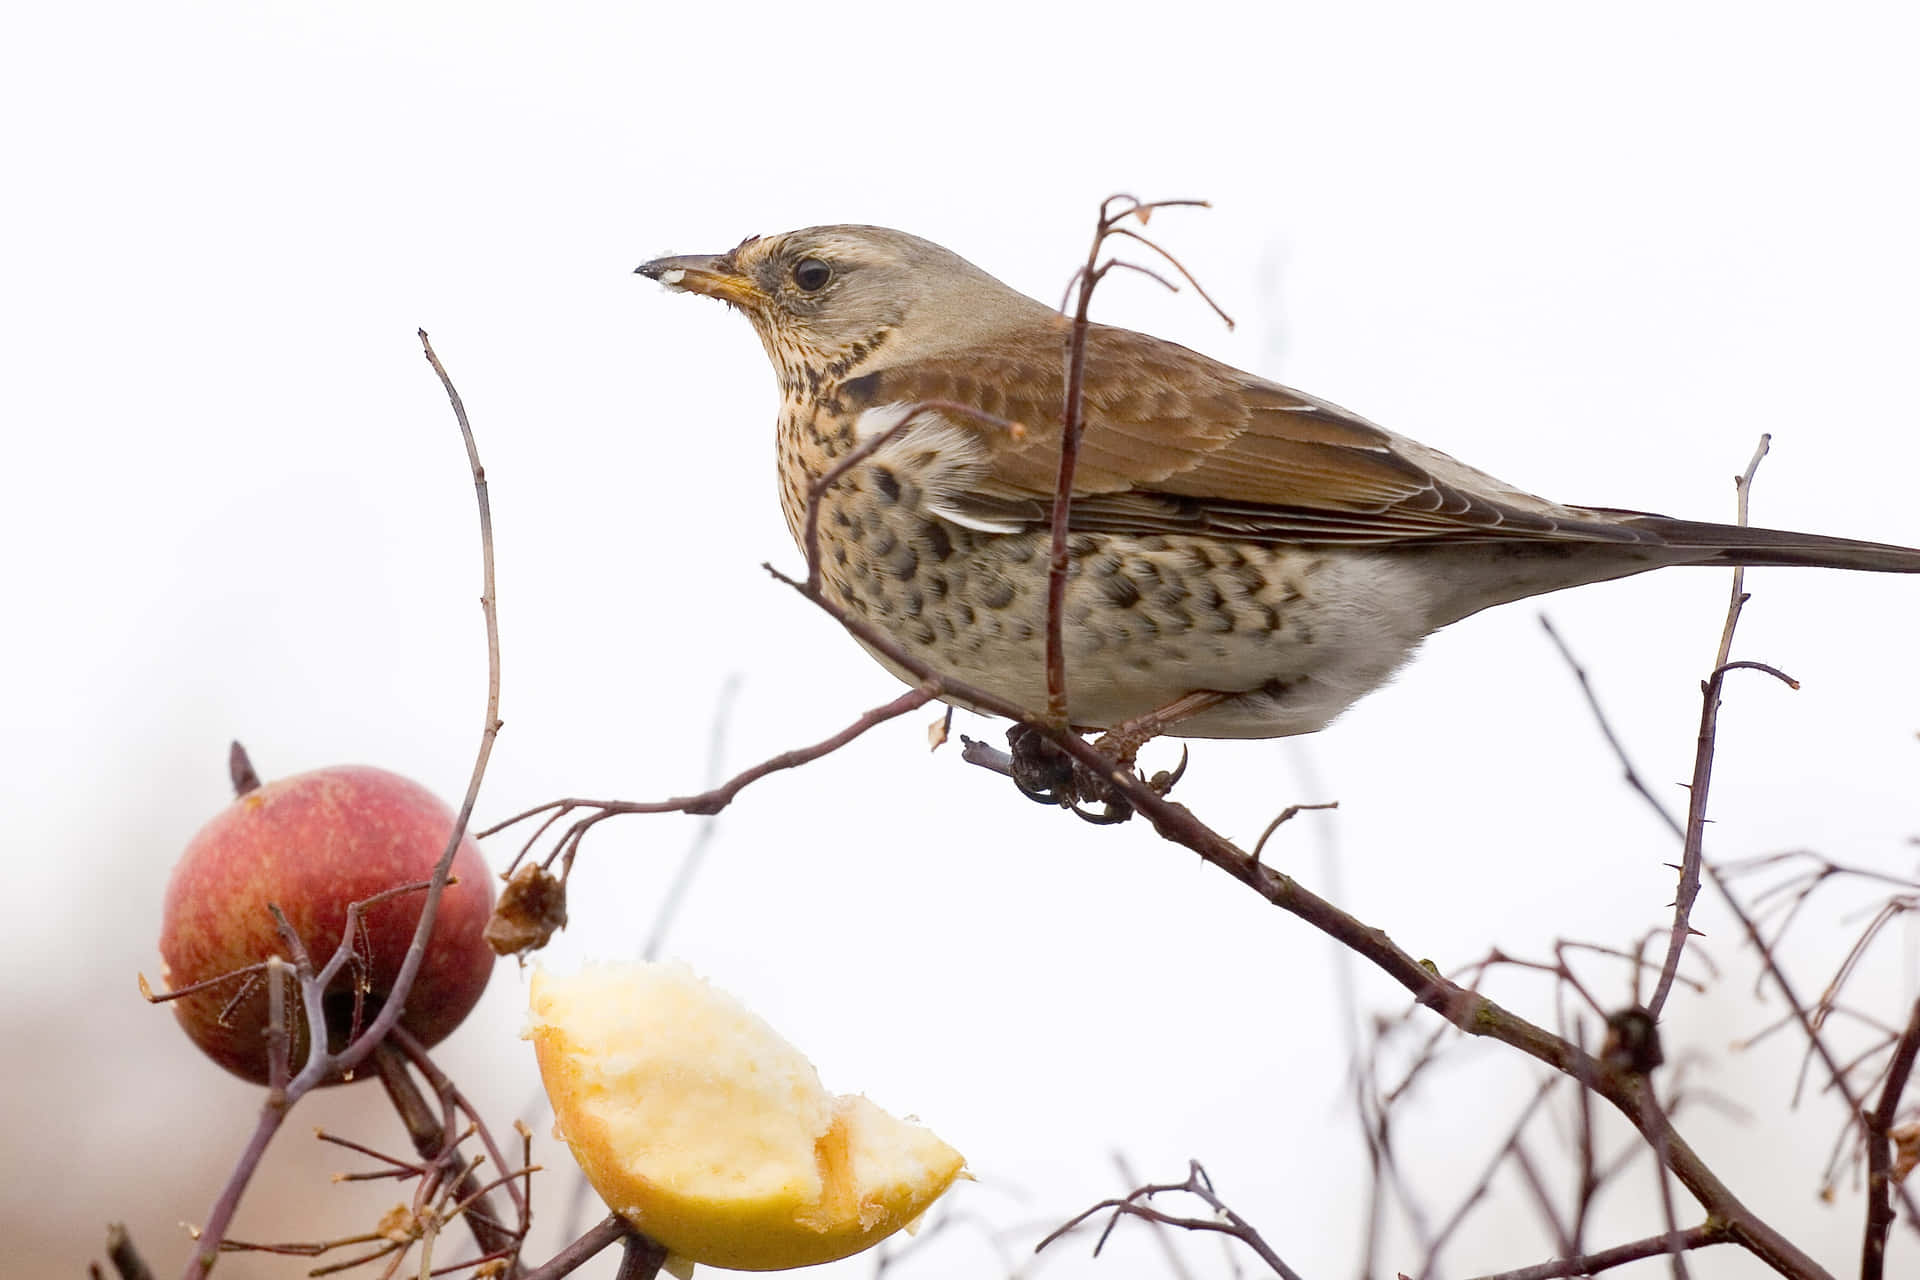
(1123, 742)
(1045, 773)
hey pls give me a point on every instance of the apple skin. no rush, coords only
(312, 844)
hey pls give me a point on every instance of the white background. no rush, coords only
(1596, 250)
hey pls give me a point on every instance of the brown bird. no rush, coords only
(1247, 560)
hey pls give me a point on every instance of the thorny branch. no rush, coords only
(1695, 838)
(1799, 1013)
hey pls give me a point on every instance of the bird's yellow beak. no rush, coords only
(713, 275)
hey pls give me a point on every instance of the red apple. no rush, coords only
(312, 845)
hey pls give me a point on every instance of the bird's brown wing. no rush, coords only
(1177, 442)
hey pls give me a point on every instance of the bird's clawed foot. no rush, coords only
(1047, 774)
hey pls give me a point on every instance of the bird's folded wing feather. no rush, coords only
(1177, 442)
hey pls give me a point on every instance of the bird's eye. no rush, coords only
(811, 274)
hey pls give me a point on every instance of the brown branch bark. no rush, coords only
(570, 1259)
(1469, 1011)
(713, 800)
(1072, 420)
(1873, 1251)
(1707, 1233)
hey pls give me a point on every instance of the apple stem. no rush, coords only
(240, 769)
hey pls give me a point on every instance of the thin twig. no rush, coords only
(1656, 1129)
(322, 1063)
(435, 1142)
(1629, 774)
(1162, 1233)
(1589, 1182)
(1689, 887)
(1478, 1192)
(1285, 816)
(1073, 421)
(1135, 1205)
(1707, 1233)
(717, 798)
(676, 894)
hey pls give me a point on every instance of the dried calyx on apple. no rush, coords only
(313, 845)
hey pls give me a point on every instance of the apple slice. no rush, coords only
(696, 1122)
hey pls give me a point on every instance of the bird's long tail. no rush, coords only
(1740, 545)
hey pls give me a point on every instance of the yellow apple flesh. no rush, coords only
(695, 1121)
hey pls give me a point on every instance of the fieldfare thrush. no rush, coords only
(1246, 554)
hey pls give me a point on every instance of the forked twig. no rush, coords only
(1135, 1204)
(322, 1063)
(1073, 414)
(704, 803)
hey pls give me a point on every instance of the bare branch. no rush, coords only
(564, 1263)
(1135, 1204)
(1707, 1233)
(1629, 774)
(435, 1142)
(1873, 1252)
(1689, 887)
(714, 800)
(1469, 1011)
(1162, 1234)
(322, 1064)
(1072, 419)
(1179, 266)
(1478, 1191)
(640, 1258)
(1285, 816)
(676, 894)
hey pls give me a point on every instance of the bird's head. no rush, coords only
(828, 300)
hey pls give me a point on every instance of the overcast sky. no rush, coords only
(1595, 250)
